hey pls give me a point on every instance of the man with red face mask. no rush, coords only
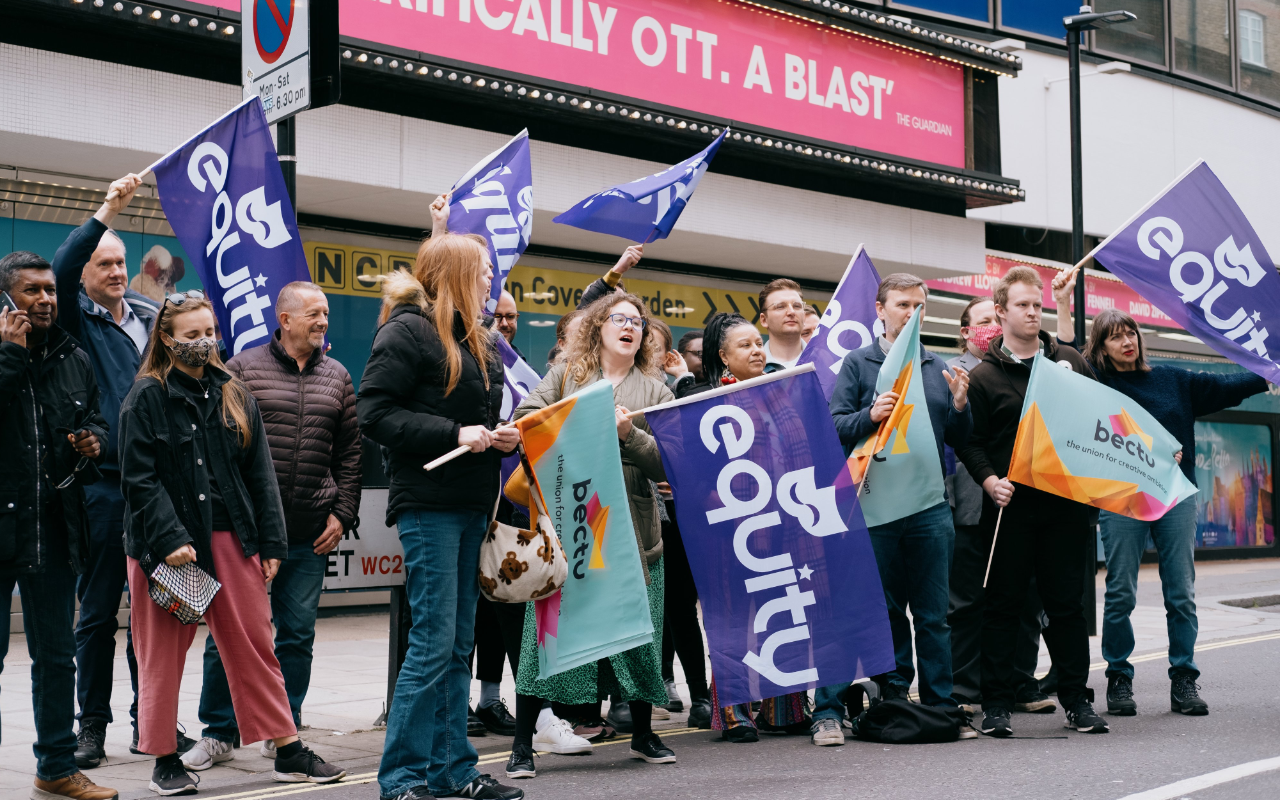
(978, 326)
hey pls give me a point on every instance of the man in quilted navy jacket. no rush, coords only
(308, 407)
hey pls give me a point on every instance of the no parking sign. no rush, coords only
(275, 55)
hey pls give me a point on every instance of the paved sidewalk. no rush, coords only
(348, 686)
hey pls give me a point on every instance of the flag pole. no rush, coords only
(992, 557)
(455, 452)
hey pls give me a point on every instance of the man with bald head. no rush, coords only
(308, 407)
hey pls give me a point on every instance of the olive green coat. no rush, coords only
(641, 461)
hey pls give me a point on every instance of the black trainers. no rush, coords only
(674, 703)
(650, 749)
(418, 792)
(1031, 700)
(1184, 697)
(1120, 696)
(700, 714)
(995, 722)
(184, 743)
(169, 777)
(474, 726)
(1082, 717)
(90, 742)
(305, 767)
(497, 719)
(486, 788)
(520, 765)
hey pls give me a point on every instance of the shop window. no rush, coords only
(1202, 39)
(1259, 27)
(1140, 40)
(1253, 49)
(1037, 16)
(1234, 507)
(975, 10)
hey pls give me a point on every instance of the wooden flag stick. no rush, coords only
(455, 452)
(992, 557)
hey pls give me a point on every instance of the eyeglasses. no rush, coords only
(178, 298)
(786, 306)
(506, 317)
(622, 320)
(694, 353)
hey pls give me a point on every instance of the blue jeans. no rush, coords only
(99, 590)
(1124, 539)
(48, 613)
(426, 739)
(295, 600)
(913, 555)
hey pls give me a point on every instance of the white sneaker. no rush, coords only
(558, 737)
(268, 749)
(660, 713)
(827, 733)
(206, 753)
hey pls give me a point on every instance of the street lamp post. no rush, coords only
(1086, 20)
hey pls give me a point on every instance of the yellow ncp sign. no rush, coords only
(339, 269)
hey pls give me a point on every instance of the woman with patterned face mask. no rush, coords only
(199, 486)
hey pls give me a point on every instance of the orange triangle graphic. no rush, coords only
(538, 431)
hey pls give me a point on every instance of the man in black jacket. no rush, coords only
(53, 436)
(111, 324)
(308, 406)
(1040, 534)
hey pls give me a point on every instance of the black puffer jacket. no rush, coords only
(403, 407)
(66, 392)
(310, 417)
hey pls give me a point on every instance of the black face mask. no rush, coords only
(194, 354)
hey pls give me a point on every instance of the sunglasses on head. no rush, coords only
(178, 298)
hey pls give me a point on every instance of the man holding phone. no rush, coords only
(53, 436)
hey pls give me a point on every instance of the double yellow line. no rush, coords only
(370, 777)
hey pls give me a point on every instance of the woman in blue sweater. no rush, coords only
(1175, 397)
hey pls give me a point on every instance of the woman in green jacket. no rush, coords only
(614, 343)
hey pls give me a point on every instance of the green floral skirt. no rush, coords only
(635, 674)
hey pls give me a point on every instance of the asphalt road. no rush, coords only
(1042, 762)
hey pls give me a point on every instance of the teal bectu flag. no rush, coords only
(902, 472)
(1087, 442)
(603, 607)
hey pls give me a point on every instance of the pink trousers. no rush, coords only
(239, 620)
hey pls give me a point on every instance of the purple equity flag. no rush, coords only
(791, 597)
(518, 379)
(224, 195)
(849, 323)
(646, 209)
(1193, 254)
(495, 200)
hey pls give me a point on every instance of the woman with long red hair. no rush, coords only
(433, 383)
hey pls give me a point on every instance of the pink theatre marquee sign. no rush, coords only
(721, 58)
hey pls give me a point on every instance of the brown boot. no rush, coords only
(77, 787)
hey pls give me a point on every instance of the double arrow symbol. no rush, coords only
(755, 307)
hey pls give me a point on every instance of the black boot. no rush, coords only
(1184, 696)
(1120, 695)
(90, 751)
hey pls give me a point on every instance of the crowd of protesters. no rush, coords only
(137, 448)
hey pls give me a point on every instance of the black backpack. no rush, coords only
(903, 722)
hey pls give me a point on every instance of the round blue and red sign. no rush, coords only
(272, 23)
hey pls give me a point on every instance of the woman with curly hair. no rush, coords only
(615, 343)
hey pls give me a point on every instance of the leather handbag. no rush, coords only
(518, 565)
